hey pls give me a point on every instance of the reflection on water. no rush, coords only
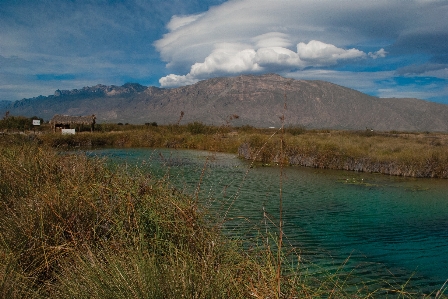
(391, 228)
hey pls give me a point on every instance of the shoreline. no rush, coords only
(297, 157)
(418, 155)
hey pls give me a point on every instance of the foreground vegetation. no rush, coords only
(70, 227)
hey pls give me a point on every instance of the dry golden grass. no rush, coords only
(418, 155)
(72, 228)
(405, 154)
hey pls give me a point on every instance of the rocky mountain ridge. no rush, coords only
(102, 89)
(258, 101)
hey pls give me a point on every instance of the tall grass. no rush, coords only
(70, 227)
(416, 155)
(407, 154)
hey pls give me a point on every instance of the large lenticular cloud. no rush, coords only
(231, 59)
(250, 37)
(255, 36)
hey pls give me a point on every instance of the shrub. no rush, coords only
(197, 128)
(295, 130)
(19, 123)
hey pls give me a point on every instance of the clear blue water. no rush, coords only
(390, 231)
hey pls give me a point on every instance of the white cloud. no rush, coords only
(425, 69)
(319, 53)
(228, 59)
(272, 39)
(269, 23)
(177, 22)
(399, 93)
(366, 82)
(263, 23)
(278, 56)
(252, 36)
(224, 61)
(440, 73)
(177, 80)
(381, 53)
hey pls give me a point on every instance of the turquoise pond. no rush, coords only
(385, 231)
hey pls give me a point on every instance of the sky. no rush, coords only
(385, 48)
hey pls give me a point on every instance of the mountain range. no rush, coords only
(261, 101)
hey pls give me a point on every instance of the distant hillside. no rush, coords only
(257, 100)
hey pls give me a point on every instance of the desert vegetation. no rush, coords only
(394, 153)
(19, 123)
(403, 154)
(70, 227)
(73, 227)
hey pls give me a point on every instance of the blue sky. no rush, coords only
(385, 48)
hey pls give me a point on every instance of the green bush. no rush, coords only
(198, 128)
(295, 130)
(19, 123)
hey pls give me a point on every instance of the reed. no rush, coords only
(405, 153)
(69, 227)
(72, 227)
(415, 155)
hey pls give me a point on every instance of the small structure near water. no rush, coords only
(67, 122)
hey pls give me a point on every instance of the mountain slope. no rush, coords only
(257, 100)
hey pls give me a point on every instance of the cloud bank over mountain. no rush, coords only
(296, 38)
(377, 47)
(231, 59)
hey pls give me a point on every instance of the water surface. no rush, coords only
(384, 229)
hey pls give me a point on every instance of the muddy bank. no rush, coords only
(430, 168)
